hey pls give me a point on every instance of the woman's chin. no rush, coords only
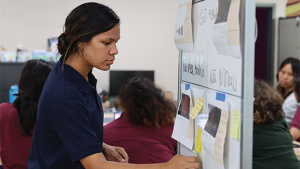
(104, 68)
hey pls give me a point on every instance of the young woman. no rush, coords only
(272, 141)
(17, 120)
(287, 71)
(146, 123)
(295, 126)
(69, 126)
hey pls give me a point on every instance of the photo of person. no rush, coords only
(184, 109)
(213, 121)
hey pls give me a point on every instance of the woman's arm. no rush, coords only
(98, 161)
(295, 133)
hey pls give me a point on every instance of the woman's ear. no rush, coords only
(80, 45)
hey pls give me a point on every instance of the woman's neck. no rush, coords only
(76, 62)
(286, 92)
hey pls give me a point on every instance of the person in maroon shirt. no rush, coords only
(295, 126)
(18, 118)
(145, 126)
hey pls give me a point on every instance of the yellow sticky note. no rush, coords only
(198, 140)
(235, 124)
(196, 109)
(195, 153)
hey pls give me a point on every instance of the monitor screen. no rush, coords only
(9, 75)
(118, 77)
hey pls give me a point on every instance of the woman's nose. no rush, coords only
(114, 50)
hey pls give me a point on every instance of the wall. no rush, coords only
(278, 12)
(147, 30)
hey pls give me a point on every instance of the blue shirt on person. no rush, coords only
(69, 123)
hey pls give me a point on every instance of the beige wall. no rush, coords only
(146, 42)
(147, 29)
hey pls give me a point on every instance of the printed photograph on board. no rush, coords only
(213, 121)
(184, 109)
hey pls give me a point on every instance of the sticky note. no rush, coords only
(198, 143)
(235, 124)
(195, 153)
(196, 109)
(220, 97)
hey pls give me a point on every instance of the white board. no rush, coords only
(223, 63)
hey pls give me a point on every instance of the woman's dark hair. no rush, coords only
(82, 24)
(296, 83)
(295, 68)
(144, 104)
(267, 103)
(32, 79)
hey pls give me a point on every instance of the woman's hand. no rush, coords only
(183, 162)
(113, 153)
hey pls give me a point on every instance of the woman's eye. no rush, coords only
(106, 43)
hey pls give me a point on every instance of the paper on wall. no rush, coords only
(235, 124)
(183, 36)
(202, 119)
(213, 135)
(195, 153)
(184, 127)
(226, 30)
(197, 108)
(198, 143)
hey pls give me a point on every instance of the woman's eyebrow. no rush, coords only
(112, 39)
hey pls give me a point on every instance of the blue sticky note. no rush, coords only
(187, 86)
(220, 97)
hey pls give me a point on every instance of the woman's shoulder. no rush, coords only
(6, 104)
(119, 122)
(7, 110)
(278, 123)
(290, 98)
(5, 107)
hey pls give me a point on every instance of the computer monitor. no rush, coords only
(118, 77)
(9, 75)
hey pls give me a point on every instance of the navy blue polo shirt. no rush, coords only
(69, 124)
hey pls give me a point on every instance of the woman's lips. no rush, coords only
(110, 62)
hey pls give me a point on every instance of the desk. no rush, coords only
(297, 150)
(108, 117)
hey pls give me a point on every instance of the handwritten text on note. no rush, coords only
(197, 108)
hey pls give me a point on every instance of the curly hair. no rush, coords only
(144, 104)
(267, 103)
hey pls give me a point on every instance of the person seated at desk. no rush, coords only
(286, 72)
(145, 127)
(18, 118)
(295, 126)
(272, 141)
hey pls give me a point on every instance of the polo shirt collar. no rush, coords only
(77, 79)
